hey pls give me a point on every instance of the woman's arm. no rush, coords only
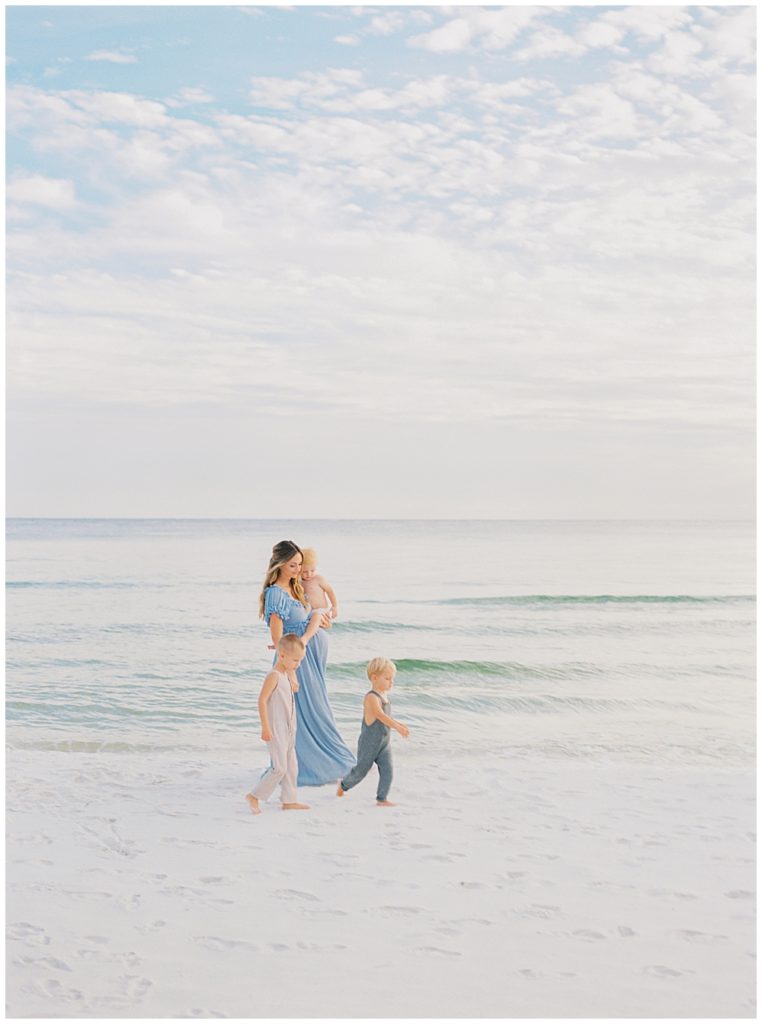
(316, 621)
(276, 628)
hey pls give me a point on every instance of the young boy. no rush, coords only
(277, 713)
(374, 745)
(317, 589)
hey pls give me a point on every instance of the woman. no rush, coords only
(322, 754)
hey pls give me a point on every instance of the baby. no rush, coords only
(317, 589)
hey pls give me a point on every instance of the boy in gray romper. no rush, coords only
(374, 745)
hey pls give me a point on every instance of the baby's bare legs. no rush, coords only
(253, 803)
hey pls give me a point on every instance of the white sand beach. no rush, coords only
(143, 887)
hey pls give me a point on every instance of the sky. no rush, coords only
(382, 262)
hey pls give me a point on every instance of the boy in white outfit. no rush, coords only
(277, 713)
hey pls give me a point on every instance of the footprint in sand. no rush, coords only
(589, 934)
(703, 938)
(392, 911)
(56, 991)
(660, 971)
(31, 934)
(224, 945)
(739, 894)
(153, 927)
(135, 987)
(294, 894)
(314, 947)
(437, 951)
(44, 961)
(539, 910)
(129, 959)
(672, 892)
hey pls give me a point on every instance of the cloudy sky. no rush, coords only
(381, 261)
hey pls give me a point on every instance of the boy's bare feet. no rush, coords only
(339, 791)
(253, 803)
(385, 803)
(295, 807)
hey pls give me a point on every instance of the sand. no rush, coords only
(142, 886)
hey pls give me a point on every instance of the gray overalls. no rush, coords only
(373, 747)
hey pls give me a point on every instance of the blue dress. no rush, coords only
(322, 754)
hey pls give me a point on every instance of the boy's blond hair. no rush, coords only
(290, 643)
(377, 665)
(309, 558)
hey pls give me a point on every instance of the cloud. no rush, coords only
(577, 234)
(730, 36)
(189, 97)
(55, 193)
(649, 23)
(112, 57)
(347, 40)
(490, 28)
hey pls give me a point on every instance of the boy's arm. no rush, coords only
(328, 589)
(374, 712)
(268, 686)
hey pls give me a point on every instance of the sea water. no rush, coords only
(608, 641)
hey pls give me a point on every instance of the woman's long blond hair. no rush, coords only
(283, 552)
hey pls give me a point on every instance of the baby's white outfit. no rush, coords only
(283, 768)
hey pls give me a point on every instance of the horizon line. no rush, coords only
(388, 519)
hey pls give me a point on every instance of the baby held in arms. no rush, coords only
(317, 589)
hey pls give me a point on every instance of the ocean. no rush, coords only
(597, 641)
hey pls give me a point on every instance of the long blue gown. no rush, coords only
(322, 754)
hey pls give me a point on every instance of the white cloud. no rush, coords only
(599, 33)
(677, 56)
(190, 96)
(731, 36)
(551, 42)
(347, 40)
(56, 193)
(490, 28)
(649, 23)
(112, 57)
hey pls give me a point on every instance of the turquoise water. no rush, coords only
(594, 640)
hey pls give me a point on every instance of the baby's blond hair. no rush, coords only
(309, 558)
(290, 643)
(377, 665)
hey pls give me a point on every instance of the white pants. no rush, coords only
(283, 769)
